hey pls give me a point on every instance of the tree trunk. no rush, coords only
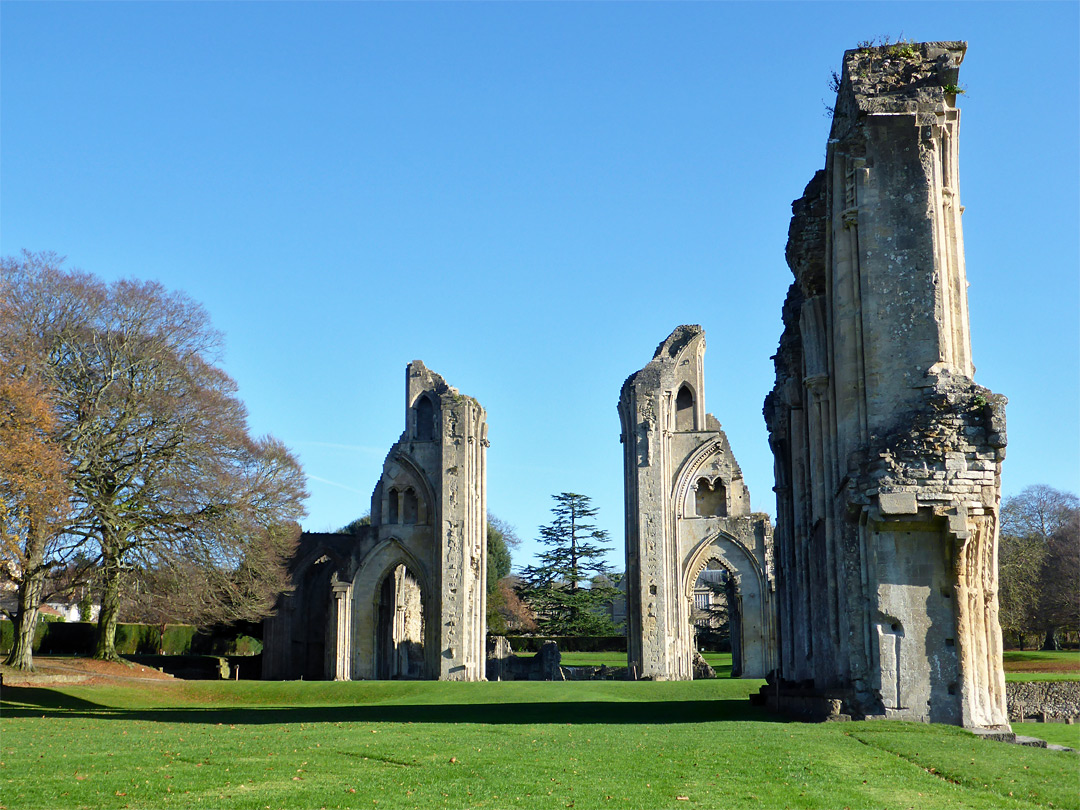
(26, 617)
(1051, 641)
(110, 610)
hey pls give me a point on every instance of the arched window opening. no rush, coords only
(410, 507)
(400, 627)
(425, 419)
(710, 499)
(684, 409)
(392, 506)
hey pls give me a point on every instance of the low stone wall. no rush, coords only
(503, 665)
(601, 673)
(1046, 701)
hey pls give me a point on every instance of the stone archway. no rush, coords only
(716, 612)
(747, 596)
(400, 627)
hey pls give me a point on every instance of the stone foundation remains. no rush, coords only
(888, 456)
(688, 509)
(405, 597)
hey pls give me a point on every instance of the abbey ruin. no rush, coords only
(877, 594)
(887, 454)
(687, 509)
(404, 597)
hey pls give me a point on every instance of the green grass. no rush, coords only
(1069, 658)
(1019, 665)
(1027, 677)
(492, 745)
(1037, 665)
(721, 662)
(1057, 733)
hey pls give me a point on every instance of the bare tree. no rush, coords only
(239, 575)
(1039, 563)
(1020, 565)
(163, 471)
(1060, 608)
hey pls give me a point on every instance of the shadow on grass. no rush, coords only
(17, 699)
(553, 713)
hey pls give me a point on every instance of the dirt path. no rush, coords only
(53, 670)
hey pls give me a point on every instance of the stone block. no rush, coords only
(898, 503)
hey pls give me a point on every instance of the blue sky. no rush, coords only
(527, 196)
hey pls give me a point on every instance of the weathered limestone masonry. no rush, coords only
(406, 597)
(888, 456)
(687, 508)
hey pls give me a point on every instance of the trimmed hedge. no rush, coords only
(7, 633)
(569, 643)
(78, 638)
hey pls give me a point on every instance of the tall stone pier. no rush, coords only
(887, 454)
(688, 510)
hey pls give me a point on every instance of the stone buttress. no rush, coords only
(887, 454)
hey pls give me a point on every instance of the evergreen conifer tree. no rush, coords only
(572, 586)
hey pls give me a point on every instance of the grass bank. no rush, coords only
(1037, 665)
(492, 745)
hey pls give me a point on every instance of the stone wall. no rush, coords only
(1047, 701)
(686, 507)
(887, 454)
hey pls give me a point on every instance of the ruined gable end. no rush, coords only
(688, 512)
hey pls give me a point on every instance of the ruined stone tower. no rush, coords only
(406, 596)
(687, 508)
(888, 456)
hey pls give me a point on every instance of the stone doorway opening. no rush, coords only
(716, 613)
(400, 627)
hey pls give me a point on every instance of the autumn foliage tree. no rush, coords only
(33, 498)
(503, 607)
(164, 476)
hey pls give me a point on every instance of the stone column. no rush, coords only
(342, 630)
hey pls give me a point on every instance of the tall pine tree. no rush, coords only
(571, 588)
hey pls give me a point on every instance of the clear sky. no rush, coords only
(527, 196)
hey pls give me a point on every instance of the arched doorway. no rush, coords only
(739, 582)
(717, 613)
(399, 634)
(311, 622)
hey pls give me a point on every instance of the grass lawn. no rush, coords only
(1036, 665)
(721, 662)
(1057, 733)
(493, 745)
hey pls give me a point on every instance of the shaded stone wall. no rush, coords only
(887, 454)
(406, 597)
(686, 505)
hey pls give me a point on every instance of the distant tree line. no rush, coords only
(1039, 568)
(126, 464)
